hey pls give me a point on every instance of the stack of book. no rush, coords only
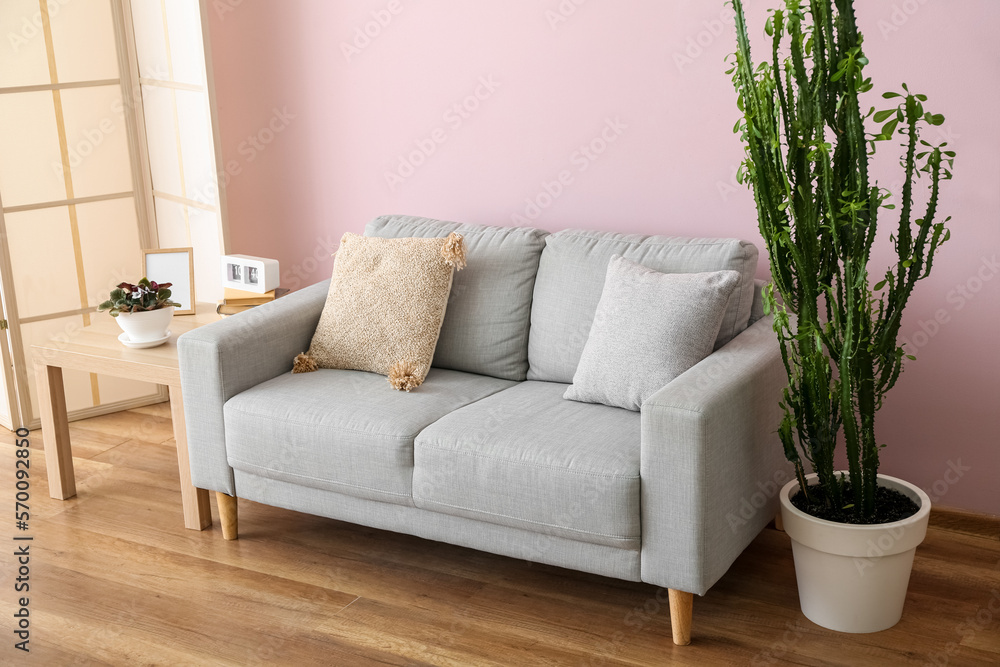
(236, 301)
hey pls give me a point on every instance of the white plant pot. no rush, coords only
(853, 578)
(146, 326)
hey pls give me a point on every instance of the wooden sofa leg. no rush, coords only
(227, 515)
(778, 523)
(681, 606)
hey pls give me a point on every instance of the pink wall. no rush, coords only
(309, 133)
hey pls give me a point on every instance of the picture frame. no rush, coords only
(174, 266)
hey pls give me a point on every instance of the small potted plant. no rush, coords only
(803, 124)
(143, 311)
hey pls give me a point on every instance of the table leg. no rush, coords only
(55, 431)
(197, 507)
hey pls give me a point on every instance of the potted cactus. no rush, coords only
(143, 311)
(808, 143)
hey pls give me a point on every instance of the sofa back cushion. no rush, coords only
(571, 277)
(485, 327)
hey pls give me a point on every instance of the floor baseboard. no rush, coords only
(964, 521)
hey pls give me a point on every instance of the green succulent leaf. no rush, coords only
(826, 224)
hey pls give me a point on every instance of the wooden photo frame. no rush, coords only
(174, 266)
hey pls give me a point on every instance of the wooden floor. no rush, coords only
(116, 579)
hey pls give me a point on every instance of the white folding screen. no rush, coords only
(8, 407)
(5, 416)
(172, 75)
(70, 222)
(106, 148)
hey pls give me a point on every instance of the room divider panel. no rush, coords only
(8, 406)
(79, 170)
(174, 81)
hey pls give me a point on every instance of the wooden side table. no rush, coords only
(96, 349)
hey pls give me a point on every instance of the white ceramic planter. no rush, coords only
(853, 578)
(146, 326)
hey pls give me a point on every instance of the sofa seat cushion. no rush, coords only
(571, 278)
(485, 328)
(341, 430)
(527, 458)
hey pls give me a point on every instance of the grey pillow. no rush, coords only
(485, 328)
(649, 328)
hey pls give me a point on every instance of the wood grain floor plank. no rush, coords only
(156, 409)
(131, 425)
(163, 572)
(121, 582)
(141, 455)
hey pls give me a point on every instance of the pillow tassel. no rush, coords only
(403, 375)
(453, 251)
(304, 363)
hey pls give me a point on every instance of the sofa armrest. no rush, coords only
(711, 462)
(222, 359)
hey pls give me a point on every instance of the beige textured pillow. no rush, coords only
(385, 307)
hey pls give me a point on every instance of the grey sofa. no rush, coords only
(487, 453)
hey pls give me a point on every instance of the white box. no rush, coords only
(251, 274)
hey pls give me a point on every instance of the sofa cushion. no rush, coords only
(341, 430)
(385, 307)
(527, 458)
(485, 327)
(649, 328)
(571, 277)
